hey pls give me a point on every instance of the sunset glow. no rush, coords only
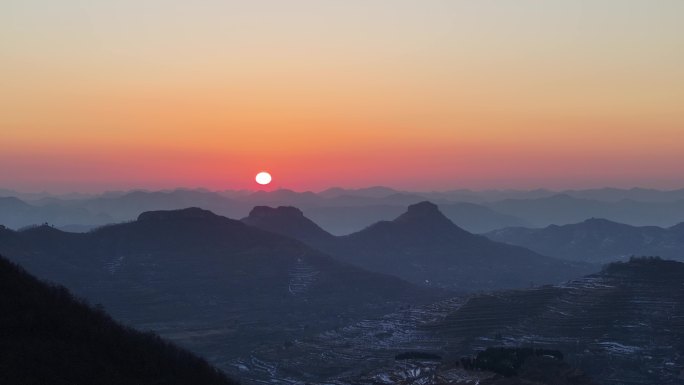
(411, 94)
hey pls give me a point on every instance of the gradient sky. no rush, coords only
(421, 94)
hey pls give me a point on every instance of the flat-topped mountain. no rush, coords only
(49, 337)
(597, 240)
(289, 221)
(425, 247)
(211, 283)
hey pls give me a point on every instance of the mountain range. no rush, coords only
(563, 209)
(15, 213)
(597, 240)
(209, 283)
(344, 211)
(424, 247)
(275, 297)
(339, 214)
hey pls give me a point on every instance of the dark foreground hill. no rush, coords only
(424, 247)
(48, 337)
(597, 240)
(212, 284)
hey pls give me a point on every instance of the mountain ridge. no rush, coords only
(425, 247)
(597, 240)
(182, 272)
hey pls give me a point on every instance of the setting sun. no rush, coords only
(263, 178)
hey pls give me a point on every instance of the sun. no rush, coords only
(263, 178)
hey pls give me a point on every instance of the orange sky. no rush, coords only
(412, 94)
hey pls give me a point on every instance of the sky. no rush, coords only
(424, 94)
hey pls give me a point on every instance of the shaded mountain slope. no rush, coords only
(623, 325)
(48, 337)
(425, 247)
(597, 240)
(213, 284)
(289, 221)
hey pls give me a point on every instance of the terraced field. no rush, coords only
(624, 325)
(349, 352)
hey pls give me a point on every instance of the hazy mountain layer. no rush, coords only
(15, 213)
(563, 209)
(343, 211)
(339, 214)
(597, 240)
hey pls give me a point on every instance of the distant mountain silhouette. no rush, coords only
(597, 240)
(127, 206)
(210, 283)
(342, 220)
(564, 208)
(48, 337)
(339, 211)
(282, 197)
(622, 325)
(396, 199)
(601, 194)
(634, 194)
(16, 213)
(372, 192)
(425, 247)
(484, 196)
(343, 211)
